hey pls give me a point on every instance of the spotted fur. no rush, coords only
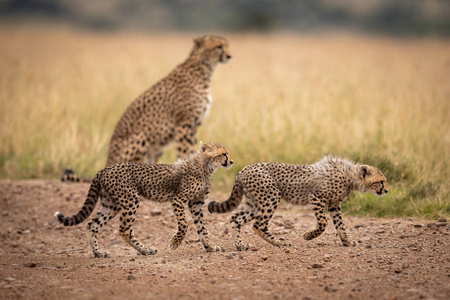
(324, 184)
(121, 187)
(171, 110)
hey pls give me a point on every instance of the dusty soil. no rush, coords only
(40, 259)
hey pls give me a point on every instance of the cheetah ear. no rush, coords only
(202, 147)
(364, 171)
(198, 42)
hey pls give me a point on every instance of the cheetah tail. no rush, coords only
(70, 176)
(232, 202)
(86, 210)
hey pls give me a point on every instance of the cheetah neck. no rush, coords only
(198, 165)
(356, 184)
(347, 167)
(200, 68)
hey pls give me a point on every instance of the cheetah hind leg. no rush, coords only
(104, 214)
(236, 222)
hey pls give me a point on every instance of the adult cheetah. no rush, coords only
(324, 184)
(171, 110)
(121, 186)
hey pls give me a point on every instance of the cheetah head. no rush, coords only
(373, 180)
(212, 49)
(216, 154)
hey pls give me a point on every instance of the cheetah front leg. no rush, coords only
(178, 208)
(186, 140)
(261, 225)
(197, 215)
(335, 212)
(319, 211)
(126, 227)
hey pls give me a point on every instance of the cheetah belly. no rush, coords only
(207, 108)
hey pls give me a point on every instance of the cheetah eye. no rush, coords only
(224, 154)
(219, 47)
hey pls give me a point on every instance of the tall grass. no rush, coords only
(283, 97)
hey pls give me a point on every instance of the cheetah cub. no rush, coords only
(121, 186)
(324, 184)
(171, 110)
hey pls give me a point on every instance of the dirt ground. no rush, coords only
(41, 259)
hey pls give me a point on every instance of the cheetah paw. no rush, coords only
(307, 236)
(219, 249)
(286, 243)
(349, 244)
(148, 251)
(242, 247)
(101, 254)
(213, 248)
(174, 243)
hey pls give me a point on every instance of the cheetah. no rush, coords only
(171, 110)
(121, 186)
(324, 184)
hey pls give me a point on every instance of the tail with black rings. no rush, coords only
(88, 206)
(235, 199)
(70, 176)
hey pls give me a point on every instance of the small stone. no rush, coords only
(359, 226)
(398, 271)
(133, 259)
(418, 225)
(264, 258)
(255, 249)
(369, 246)
(316, 266)
(131, 277)
(156, 212)
(442, 220)
(30, 265)
(330, 289)
(442, 224)
(9, 279)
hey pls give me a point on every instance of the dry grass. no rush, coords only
(283, 98)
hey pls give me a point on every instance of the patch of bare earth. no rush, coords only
(41, 259)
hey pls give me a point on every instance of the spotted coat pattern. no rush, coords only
(171, 110)
(323, 185)
(122, 186)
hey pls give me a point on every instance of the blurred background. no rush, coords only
(362, 79)
(400, 17)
